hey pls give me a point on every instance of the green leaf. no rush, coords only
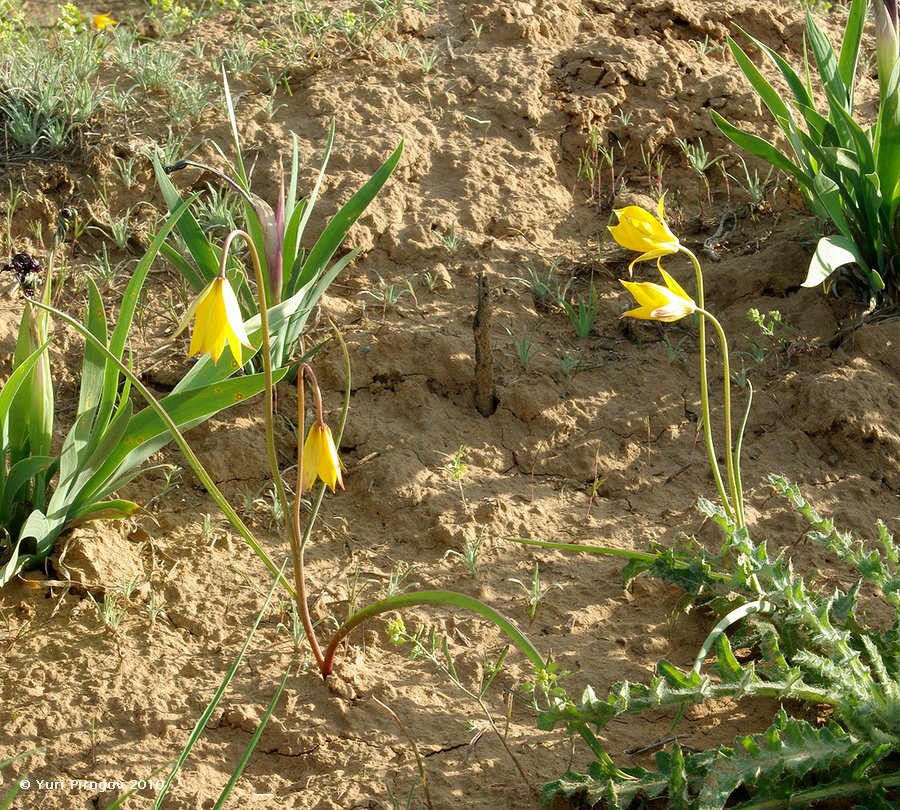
(20, 474)
(849, 55)
(796, 85)
(94, 363)
(757, 146)
(217, 697)
(104, 510)
(294, 232)
(887, 145)
(146, 433)
(341, 222)
(832, 253)
(768, 94)
(832, 81)
(198, 245)
(128, 306)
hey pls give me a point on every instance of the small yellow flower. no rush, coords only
(658, 303)
(218, 321)
(103, 21)
(639, 230)
(320, 458)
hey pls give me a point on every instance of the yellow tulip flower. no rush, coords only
(639, 230)
(658, 303)
(103, 21)
(320, 458)
(218, 321)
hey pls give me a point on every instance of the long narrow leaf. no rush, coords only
(757, 146)
(146, 433)
(217, 697)
(248, 751)
(800, 89)
(293, 236)
(826, 61)
(337, 228)
(768, 94)
(849, 55)
(129, 305)
(197, 244)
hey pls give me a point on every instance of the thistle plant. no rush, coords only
(797, 643)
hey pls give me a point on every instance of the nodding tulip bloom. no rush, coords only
(639, 230)
(103, 21)
(658, 303)
(217, 321)
(320, 458)
(887, 41)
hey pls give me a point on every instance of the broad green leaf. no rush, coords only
(832, 253)
(129, 304)
(13, 385)
(726, 664)
(194, 279)
(796, 85)
(30, 413)
(77, 492)
(20, 474)
(94, 363)
(295, 235)
(887, 146)
(146, 432)
(830, 195)
(768, 94)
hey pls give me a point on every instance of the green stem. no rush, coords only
(265, 348)
(733, 486)
(186, 450)
(805, 798)
(704, 386)
(444, 598)
(600, 752)
(298, 549)
(299, 545)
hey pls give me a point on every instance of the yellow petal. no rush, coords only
(102, 21)
(218, 321)
(658, 303)
(674, 286)
(320, 458)
(639, 230)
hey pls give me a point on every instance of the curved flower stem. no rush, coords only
(734, 487)
(265, 349)
(704, 386)
(185, 448)
(297, 545)
(302, 537)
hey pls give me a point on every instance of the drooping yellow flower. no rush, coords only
(658, 303)
(103, 21)
(320, 458)
(217, 321)
(639, 230)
